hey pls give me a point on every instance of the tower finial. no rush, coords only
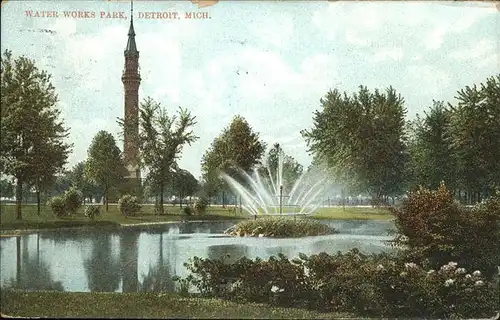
(131, 46)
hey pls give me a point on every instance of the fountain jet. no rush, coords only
(263, 194)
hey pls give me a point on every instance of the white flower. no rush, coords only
(402, 274)
(468, 276)
(431, 271)
(446, 268)
(380, 267)
(476, 273)
(460, 271)
(448, 282)
(452, 264)
(276, 289)
(479, 283)
(410, 265)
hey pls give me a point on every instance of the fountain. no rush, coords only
(263, 194)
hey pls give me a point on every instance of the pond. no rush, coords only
(145, 259)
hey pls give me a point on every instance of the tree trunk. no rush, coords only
(38, 201)
(19, 198)
(161, 197)
(106, 197)
(180, 199)
(223, 199)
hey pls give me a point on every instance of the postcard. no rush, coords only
(250, 159)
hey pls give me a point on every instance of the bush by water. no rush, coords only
(280, 228)
(129, 205)
(369, 285)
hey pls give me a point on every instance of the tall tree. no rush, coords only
(81, 182)
(161, 140)
(362, 139)
(104, 165)
(185, 184)
(32, 146)
(475, 136)
(236, 148)
(291, 169)
(432, 159)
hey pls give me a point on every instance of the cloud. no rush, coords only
(429, 78)
(277, 30)
(384, 54)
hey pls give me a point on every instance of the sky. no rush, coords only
(270, 62)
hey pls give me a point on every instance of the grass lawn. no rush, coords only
(112, 218)
(353, 213)
(141, 305)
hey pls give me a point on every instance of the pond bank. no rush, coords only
(46, 221)
(54, 304)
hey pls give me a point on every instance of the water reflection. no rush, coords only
(131, 260)
(101, 266)
(159, 277)
(228, 253)
(32, 273)
(128, 259)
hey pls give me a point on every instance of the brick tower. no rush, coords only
(131, 80)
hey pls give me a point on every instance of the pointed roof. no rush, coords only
(131, 48)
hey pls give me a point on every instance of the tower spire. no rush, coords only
(131, 48)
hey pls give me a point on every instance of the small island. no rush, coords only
(280, 227)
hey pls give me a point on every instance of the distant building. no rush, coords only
(131, 79)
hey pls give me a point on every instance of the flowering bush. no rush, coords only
(92, 211)
(433, 229)
(375, 285)
(129, 205)
(58, 206)
(73, 200)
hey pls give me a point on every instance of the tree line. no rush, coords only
(362, 141)
(368, 146)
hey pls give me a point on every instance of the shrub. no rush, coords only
(92, 211)
(129, 205)
(73, 200)
(432, 228)
(369, 285)
(188, 210)
(58, 206)
(280, 228)
(200, 205)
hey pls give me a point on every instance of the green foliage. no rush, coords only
(80, 181)
(73, 200)
(291, 168)
(361, 138)
(6, 189)
(374, 285)
(200, 205)
(161, 140)
(432, 158)
(188, 210)
(433, 228)
(32, 147)
(474, 134)
(280, 228)
(185, 184)
(104, 165)
(58, 206)
(92, 211)
(129, 205)
(236, 148)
